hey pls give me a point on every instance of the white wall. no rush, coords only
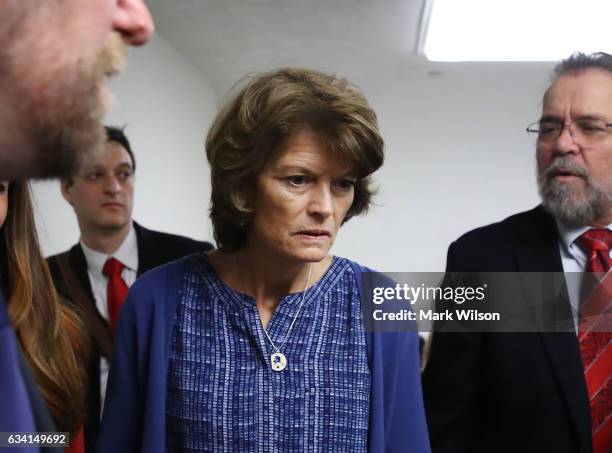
(167, 106)
(457, 154)
(457, 157)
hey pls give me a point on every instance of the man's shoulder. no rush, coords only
(156, 248)
(535, 221)
(162, 239)
(64, 254)
(495, 247)
(69, 273)
(62, 259)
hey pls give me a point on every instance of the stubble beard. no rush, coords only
(62, 105)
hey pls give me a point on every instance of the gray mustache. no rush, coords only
(566, 165)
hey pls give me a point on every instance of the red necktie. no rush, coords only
(594, 335)
(116, 289)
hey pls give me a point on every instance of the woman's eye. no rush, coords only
(297, 180)
(345, 184)
(3, 186)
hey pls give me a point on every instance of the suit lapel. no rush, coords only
(564, 356)
(79, 265)
(146, 257)
(538, 260)
(97, 325)
(539, 252)
(538, 244)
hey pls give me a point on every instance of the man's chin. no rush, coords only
(567, 188)
(571, 209)
(65, 131)
(67, 137)
(113, 224)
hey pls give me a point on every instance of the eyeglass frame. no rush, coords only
(564, 126)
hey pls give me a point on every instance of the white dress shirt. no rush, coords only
(127, 253)
(574, 262)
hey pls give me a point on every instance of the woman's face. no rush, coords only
(300, 200)
(3, 201)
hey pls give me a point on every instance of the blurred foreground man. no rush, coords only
(113, 251)
(55, 56)
(543, 391)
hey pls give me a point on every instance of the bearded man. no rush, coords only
(56, 56)
(54, 59)
(540, 391)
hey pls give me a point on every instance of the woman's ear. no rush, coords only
(245, 197)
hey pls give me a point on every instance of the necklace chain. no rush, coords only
(278, 349)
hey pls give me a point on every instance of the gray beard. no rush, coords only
(567, 204)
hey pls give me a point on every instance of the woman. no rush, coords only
(47, 331)
(260, 345)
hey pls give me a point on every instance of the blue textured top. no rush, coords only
(222, 394)
(136, 397)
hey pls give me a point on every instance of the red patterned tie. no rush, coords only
(594, 335)
(116, 289)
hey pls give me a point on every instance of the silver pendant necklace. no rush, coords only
(278, 360)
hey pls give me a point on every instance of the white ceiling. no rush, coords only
(226, 39)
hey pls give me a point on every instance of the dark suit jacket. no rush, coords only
(507, 392)
(69, 272)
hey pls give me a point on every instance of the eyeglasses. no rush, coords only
(585, 131)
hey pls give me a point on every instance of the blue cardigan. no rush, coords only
(135, 409)
(16, 413)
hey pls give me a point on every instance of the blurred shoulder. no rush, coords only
(177, 244)
(493, 247)
(517, 225)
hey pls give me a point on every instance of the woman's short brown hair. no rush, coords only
(252, 128)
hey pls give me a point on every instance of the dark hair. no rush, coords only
(578, 62)
(117, 134)
(252, 128)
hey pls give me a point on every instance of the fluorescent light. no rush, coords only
(517, 30)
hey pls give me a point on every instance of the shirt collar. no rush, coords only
(569, 234)
(127, 253)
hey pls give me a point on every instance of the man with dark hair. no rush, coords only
(55, 57)
(116, 134)
(540, 391)
(112, 253)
